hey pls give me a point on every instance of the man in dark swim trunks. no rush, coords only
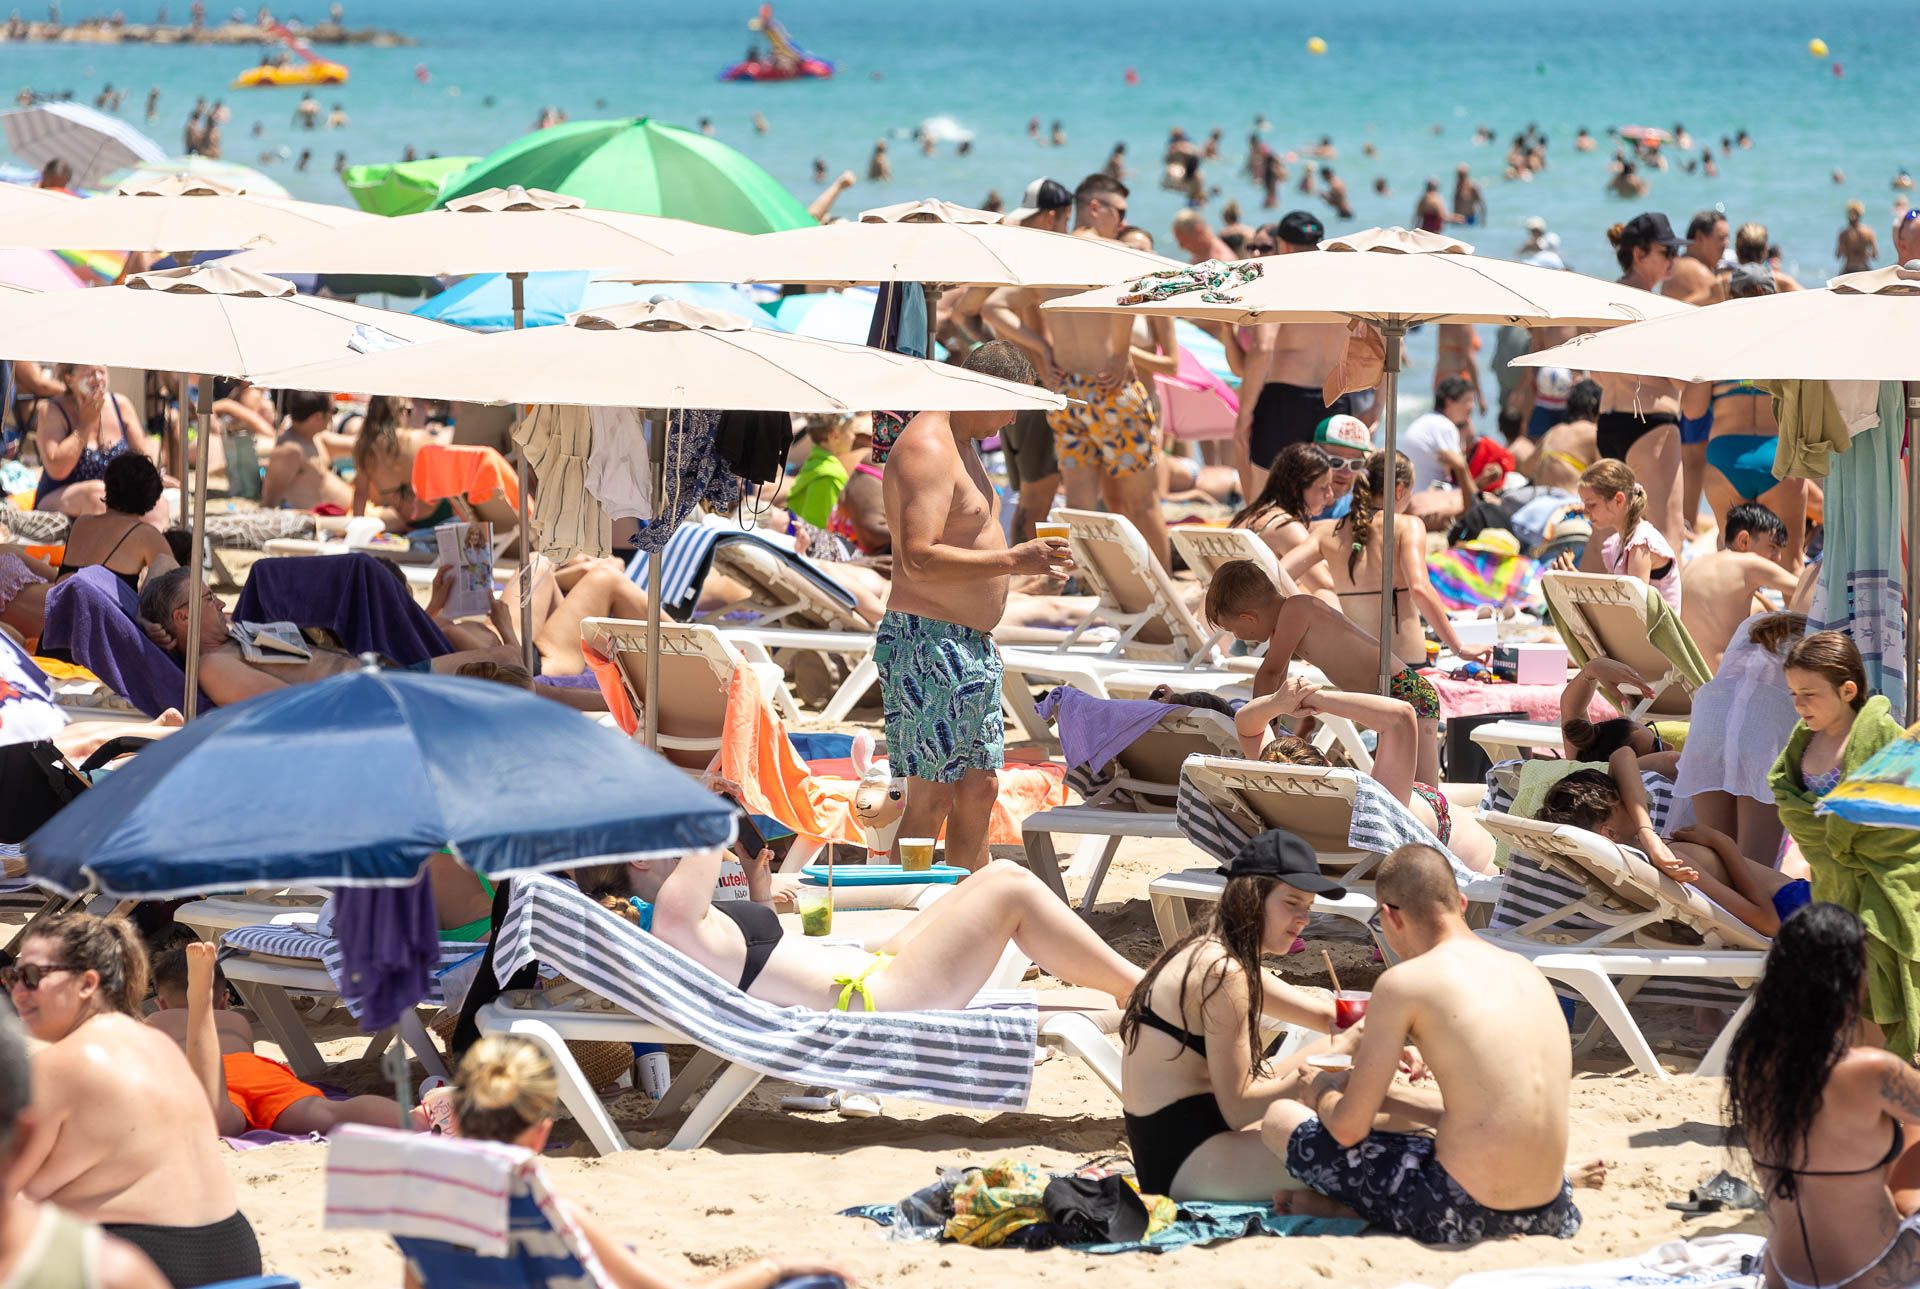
(1491, 1032)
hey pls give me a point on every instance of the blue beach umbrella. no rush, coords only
(484, 302)
(359, 779)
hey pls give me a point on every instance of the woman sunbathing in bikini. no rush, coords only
(938, 960)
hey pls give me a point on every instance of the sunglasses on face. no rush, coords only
(1342, 465)
(29, 975)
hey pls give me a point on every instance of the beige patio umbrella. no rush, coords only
(673, 355)
(214, 320)
(515, 231)
(173, 214)
(1393, 279)
(1861, 326)
(932, 242)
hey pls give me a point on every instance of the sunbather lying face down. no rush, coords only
(505, 1091)
(128, 1133)
(938, 960)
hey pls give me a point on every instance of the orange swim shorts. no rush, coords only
(262, 1088)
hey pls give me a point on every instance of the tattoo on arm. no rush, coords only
(1900, 1089)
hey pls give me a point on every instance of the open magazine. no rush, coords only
(270, 642)
(467, 548)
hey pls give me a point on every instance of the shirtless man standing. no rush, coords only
(298, 475)
(1717, 589)
(1282, 375)
(939, 669)
(1491, 1032)
(1694, 280)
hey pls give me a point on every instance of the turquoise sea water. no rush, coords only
(1394, 69)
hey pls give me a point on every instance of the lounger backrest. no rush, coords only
(1156, 756)
(696, 666)
(1624, 886)
(1608, 616)
(1114, 562)
(772, 583)
(1313, 802)
(1206, 549)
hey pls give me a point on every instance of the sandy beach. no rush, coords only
(772, 1181)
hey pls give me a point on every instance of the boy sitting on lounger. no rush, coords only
(247, 1090)
(1494, 1038)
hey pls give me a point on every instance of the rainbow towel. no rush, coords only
(1468, 579)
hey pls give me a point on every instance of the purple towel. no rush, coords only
(356, 597)
(94, 619)
(1095, 730)
(389, 947)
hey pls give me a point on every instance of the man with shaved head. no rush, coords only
(1491, 1032)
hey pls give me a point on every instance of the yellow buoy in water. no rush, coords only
(1315, 45)
(1817, 47)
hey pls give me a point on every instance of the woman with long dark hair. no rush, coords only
(1299, 487)
(1822, 1110)
(1195, 1078)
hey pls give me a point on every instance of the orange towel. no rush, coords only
(606, 673)
(457, 470)
(756, 754)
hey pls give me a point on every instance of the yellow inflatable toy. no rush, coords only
(1316, 46)
(316, 73)
(1817, 47)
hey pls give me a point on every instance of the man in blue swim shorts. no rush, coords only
(939, 669)
(1492, 1034)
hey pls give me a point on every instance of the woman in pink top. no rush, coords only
(1615, 500)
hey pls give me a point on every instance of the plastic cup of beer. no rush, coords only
(916, 854)
(1349, 1006)
(816, 910)
(1050, 529)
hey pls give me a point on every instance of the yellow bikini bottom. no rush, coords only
(851, 985)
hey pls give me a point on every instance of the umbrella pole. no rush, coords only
(658, 447)
(1913, 550)
(930, 296)
(1393, 334)
(197, 558)
(519, 281)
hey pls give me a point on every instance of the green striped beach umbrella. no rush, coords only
(642, 166)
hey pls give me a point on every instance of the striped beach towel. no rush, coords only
(467, 1213)
(304, 942)
(980, 1058)
(689, 558)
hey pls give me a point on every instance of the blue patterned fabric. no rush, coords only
(940, 688)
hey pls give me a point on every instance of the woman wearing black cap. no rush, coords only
(1195, 1078)
(1640, 415)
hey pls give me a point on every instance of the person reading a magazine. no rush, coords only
(240, 663)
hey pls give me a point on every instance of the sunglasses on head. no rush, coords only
(29, 975)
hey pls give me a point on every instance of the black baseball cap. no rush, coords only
(1649, 228)
(1041, 196)
(1279, 853)
(1301, 228)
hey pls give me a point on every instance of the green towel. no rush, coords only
(1873, 871)
(1537, 778)
(1664, 632)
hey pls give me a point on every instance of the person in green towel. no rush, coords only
(1873, 872)
(824, 474)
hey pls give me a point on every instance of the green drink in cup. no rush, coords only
(816, 910)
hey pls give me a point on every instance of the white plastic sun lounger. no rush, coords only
(1647, 927)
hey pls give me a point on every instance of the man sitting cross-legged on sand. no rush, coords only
(247, 1091)
(1493, 1036)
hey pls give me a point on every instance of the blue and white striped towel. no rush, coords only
(689, 558)
(980, 1058)
(302, 942)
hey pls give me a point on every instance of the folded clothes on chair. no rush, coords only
(1095, 730)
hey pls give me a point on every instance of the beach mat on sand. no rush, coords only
(1199, 1224)
(1708, 1262)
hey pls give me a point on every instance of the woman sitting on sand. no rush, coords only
(1823, 1111)
(79, 433)
(1299, 486)
(1393, 758)
(505, 1091)
(127, 1134)
(938, 960)
(1195, 1078)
